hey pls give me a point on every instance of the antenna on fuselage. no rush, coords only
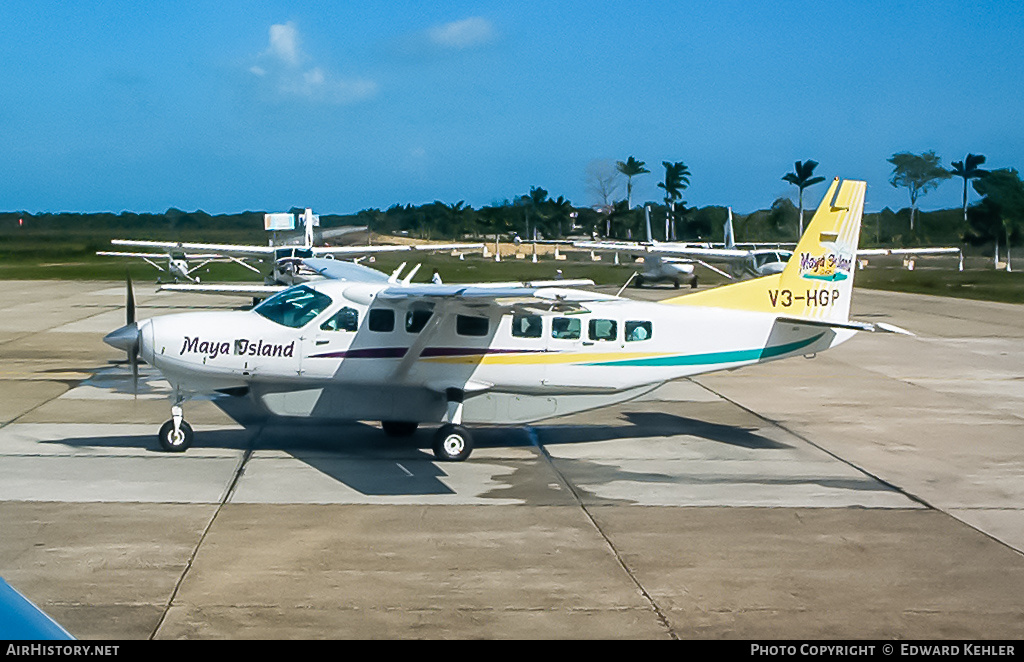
(394, 274)
(408, 279)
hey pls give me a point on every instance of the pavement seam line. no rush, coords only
(532, 433)
(239, 470)
(895, 488)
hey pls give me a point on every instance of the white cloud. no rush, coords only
(290, 72)
(462, 34)
(284, 43)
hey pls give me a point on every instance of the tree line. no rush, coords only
(996, 219)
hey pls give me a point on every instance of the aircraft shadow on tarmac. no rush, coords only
(360, 456)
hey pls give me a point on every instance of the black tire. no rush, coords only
(170, 443)
(638, 281)
(452, 443)
(675, 283)
(693, 282)
(399, 428)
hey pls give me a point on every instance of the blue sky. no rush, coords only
(225, 106)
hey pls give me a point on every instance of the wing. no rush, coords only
(220, 249)
(665, 250)
(241, 289)
(496, 297)
(356, 251)
(448, 247)
(871, 252)
(924, 251)
(484, 300)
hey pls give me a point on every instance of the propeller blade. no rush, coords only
(130, 306)
(133, 358)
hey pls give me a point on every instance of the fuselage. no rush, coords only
(341, 337)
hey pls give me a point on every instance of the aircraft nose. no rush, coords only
(125, 339)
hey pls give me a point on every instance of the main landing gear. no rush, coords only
(176, 435)
(452, 442)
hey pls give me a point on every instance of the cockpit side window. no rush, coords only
(294, 307)
(346, 319)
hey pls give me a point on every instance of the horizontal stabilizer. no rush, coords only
(880, 327)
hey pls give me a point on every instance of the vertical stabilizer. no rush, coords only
(730, 237)
(817, 283)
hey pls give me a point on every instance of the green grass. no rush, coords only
(979, 281)
(983, 284)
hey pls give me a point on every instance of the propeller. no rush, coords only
(133, 353)
(127, 337)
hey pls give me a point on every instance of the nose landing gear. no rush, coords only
(176, 435)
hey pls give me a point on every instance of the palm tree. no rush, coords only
(968, 169)
(677, 177)
(801, 177)
(918, 173)
(631, 168)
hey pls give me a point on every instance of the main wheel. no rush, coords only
(176, 443)
(399, 428)
(675, 283)
(452, 443)
(693, 282)
(638, 281)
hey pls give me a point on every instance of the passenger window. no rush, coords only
(346, 319)
(636, 331)
(527, 326)
(382, 319)
(415, 320)
(566, 328)
(471, 326)
(602, 330)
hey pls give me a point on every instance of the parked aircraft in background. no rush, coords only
(286, 260)
(675, 262)
(365, 346)
(178, 265)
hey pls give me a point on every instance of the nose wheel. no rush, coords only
(176, 435)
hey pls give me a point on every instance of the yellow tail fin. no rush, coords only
(817, 282)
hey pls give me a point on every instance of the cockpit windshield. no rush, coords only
(294, 307)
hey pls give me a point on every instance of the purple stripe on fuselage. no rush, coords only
(399, 352)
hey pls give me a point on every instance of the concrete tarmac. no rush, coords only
(874, 491)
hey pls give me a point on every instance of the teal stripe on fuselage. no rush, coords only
(735, 356)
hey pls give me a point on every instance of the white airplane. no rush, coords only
(178, 263)
(675, 262)
(371, 347)
(287, 259)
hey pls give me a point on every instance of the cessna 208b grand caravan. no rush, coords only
(372, 348)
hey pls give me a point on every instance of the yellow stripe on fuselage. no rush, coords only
(543, 358)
